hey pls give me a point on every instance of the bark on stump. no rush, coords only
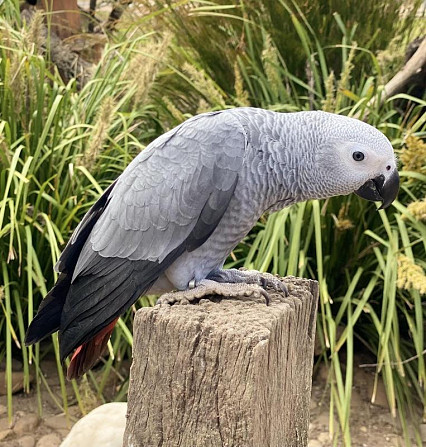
(224, 372)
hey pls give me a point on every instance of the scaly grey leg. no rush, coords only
(265, 280)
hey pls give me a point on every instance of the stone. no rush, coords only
(63, 432)
(52, 440)
(3, 410)
(363, 428)
(103, 426)
(74, 411)
(5, 433)
(17, 382)
(322, 420)
(26, 424)
(314, 443)
(26, 441)
(4, 424)
(396, 441)
(324, 438)
(58, 422)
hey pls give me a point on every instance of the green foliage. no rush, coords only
(220, 32)
(61, 147)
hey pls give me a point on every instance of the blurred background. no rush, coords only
(85, 86)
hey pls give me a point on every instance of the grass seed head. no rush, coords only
(413, 154)
(417, 209)
(329, 103)
(99, 133)
(144, 67)
(205, 85)
(241, 94)
(410, 275)
(271, 63)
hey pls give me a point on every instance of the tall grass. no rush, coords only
(61, 147)
(221, 31)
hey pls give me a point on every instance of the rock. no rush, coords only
(322, 420)
(17, 382)
(4, 424)
(324, 438)
(5, 433)
(26, 441)
(74, 411)
(363, 428)
(103, 426)
(314, 443)
(52, 440)
(26, 424)
(58, 422)
(63, 433)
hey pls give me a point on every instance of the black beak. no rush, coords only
(377, 189)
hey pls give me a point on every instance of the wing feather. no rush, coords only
(169, 200)
(159, 199)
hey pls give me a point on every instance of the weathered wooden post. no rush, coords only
(224, 372)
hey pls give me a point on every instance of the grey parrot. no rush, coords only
(177, 211)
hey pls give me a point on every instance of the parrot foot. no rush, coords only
(210, 287)
(265, 280)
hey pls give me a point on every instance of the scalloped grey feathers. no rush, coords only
(184, 203)
(159, 199)
(168, 201)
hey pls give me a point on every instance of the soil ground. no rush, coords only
(371, 425)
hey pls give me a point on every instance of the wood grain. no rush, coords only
(224, 372)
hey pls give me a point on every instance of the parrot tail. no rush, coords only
(87, 354)
(48, 317)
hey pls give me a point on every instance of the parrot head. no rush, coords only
(384, 187)
(362, 159)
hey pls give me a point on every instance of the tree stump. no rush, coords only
(224, 372)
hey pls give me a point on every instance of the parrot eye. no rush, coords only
(358, 156)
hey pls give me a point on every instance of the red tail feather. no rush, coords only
(86, 355)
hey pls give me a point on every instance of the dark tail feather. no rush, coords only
(87, 354)
(48, 317)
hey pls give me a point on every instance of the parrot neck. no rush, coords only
(282, 156)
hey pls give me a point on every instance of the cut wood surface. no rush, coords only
(224, 372)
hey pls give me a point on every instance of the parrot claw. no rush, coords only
(271, 282)
(207, 287)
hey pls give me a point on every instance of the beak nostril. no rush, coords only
(388, 168)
